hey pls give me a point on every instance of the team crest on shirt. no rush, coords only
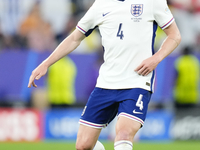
(136, 10)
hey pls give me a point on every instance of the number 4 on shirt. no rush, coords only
(120, 32)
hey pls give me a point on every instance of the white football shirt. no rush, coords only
(127, 29)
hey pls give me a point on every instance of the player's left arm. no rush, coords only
(69, 44)
(172, 40)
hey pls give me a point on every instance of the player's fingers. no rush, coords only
(34, 85)
(139, 67)
(31, 79)
(38, 76)
(29, 84)
(142, 71)
(146, 73)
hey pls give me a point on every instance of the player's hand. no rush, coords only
(147, 66)
(37, 74)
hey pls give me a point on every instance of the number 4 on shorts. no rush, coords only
(140, 102)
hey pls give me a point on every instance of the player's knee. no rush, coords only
(126, 133)
(123, 135)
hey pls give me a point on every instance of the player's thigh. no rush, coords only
(87, 136)
(126, 128)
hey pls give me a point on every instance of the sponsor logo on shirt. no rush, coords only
(104, 14)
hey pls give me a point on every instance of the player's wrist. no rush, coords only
(46, 64)
(158, 57)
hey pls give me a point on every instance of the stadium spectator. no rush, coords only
(32, 21)
(38, 32)
(9, 42)
(57, 13)
(69, 27)
(80, 7)
(185, 4)
(186, 13)
(61, 83)
(186, 88)
(11, 14)
(42, 39)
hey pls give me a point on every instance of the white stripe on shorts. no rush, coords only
(132, 117)
(94, 125)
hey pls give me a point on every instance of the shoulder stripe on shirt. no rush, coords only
(81, 29)
(167, 23)
(87, 33)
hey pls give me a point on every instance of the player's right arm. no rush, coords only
(65, 47)
(165, 20)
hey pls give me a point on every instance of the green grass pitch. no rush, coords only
(52, 145)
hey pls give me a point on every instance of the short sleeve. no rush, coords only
(89, 21)
(162, 13)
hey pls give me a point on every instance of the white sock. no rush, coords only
(99, 146)
(123, 145)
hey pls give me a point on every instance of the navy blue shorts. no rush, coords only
(104, 104)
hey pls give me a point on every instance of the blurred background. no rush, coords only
(31, 29)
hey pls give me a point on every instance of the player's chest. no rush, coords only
(130, 11)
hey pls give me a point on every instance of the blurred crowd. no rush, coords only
(187, 15)
(41, 24)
